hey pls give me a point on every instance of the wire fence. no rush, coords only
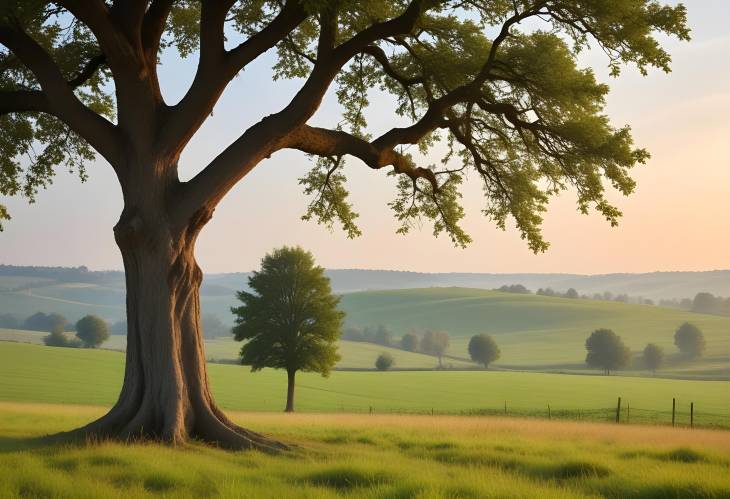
(689, 415)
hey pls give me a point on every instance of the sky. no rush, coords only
(676, 220)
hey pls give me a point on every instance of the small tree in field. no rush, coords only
(384, 362)
(435, 343)
(92, 331)
(290, 319)
(493, 87)
(653, 357)
(56, 339)
(606, 351)
(690, 340)
(409, 342)
(483, 349)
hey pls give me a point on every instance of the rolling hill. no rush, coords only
(537, 332)
(533, 332)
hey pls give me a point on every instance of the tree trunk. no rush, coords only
(290, 391)
(166, 393)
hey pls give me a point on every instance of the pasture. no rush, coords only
(32, 373)
(363, 456)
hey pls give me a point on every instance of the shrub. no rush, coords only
(384, 362)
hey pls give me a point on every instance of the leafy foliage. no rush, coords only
(606, 350)
(492, 87)
(290, 319)
(653, 356)
(384, 362)
(409, 342)
(483, 349)
(435, 343)
(92, 331)
(690, 340)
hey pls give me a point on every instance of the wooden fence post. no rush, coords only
(692, 415)
(674, 409)
(618, 410)
(628, 413)
(505, 407)
(549, 414)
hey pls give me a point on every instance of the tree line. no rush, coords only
(607, 351)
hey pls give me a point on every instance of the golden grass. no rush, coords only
(458, 426)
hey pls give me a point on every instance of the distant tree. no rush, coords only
(435, 343)
(483, 349)
(290, 318)
(546, 292)
(571, 293)
(45, 322)
(606, 351)
(705, 303)
(92, 331)
(622, 298)
(384, 362)
(409, 342)
(690, 340)
(9, 321)
(213, 327)
(653, 357)
(383, 336)
(514, 288)
(56, 339)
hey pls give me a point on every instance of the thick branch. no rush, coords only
(325, 142)
(59, 95)
(217, 68)
(269, 135)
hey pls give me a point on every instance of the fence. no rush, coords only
(678, 413)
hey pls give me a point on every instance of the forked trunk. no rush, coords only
(290, 391)
(166, 393)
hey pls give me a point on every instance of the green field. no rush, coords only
(367, 456)
(533, 332)
(354, 355)
(537, 332)
(30, 373)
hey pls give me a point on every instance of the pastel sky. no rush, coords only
(678, 219)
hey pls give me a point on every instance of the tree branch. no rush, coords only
(217, 68)
(325, 142)
(269, 135)
(59, 96)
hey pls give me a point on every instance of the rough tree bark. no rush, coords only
(166, 392)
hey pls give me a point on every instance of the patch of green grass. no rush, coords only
(31, 373)
(517, 459)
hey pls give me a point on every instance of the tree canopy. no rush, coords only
(483, 349)
(492, 86)
(384, 361)
(435, 343)
(606, 350)
(290, 319)
(92, 331)
(653, 356)
(690, 340)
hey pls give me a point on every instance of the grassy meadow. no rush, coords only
(32, 373)
(364, 456)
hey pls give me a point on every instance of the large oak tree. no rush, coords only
(495, 81)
